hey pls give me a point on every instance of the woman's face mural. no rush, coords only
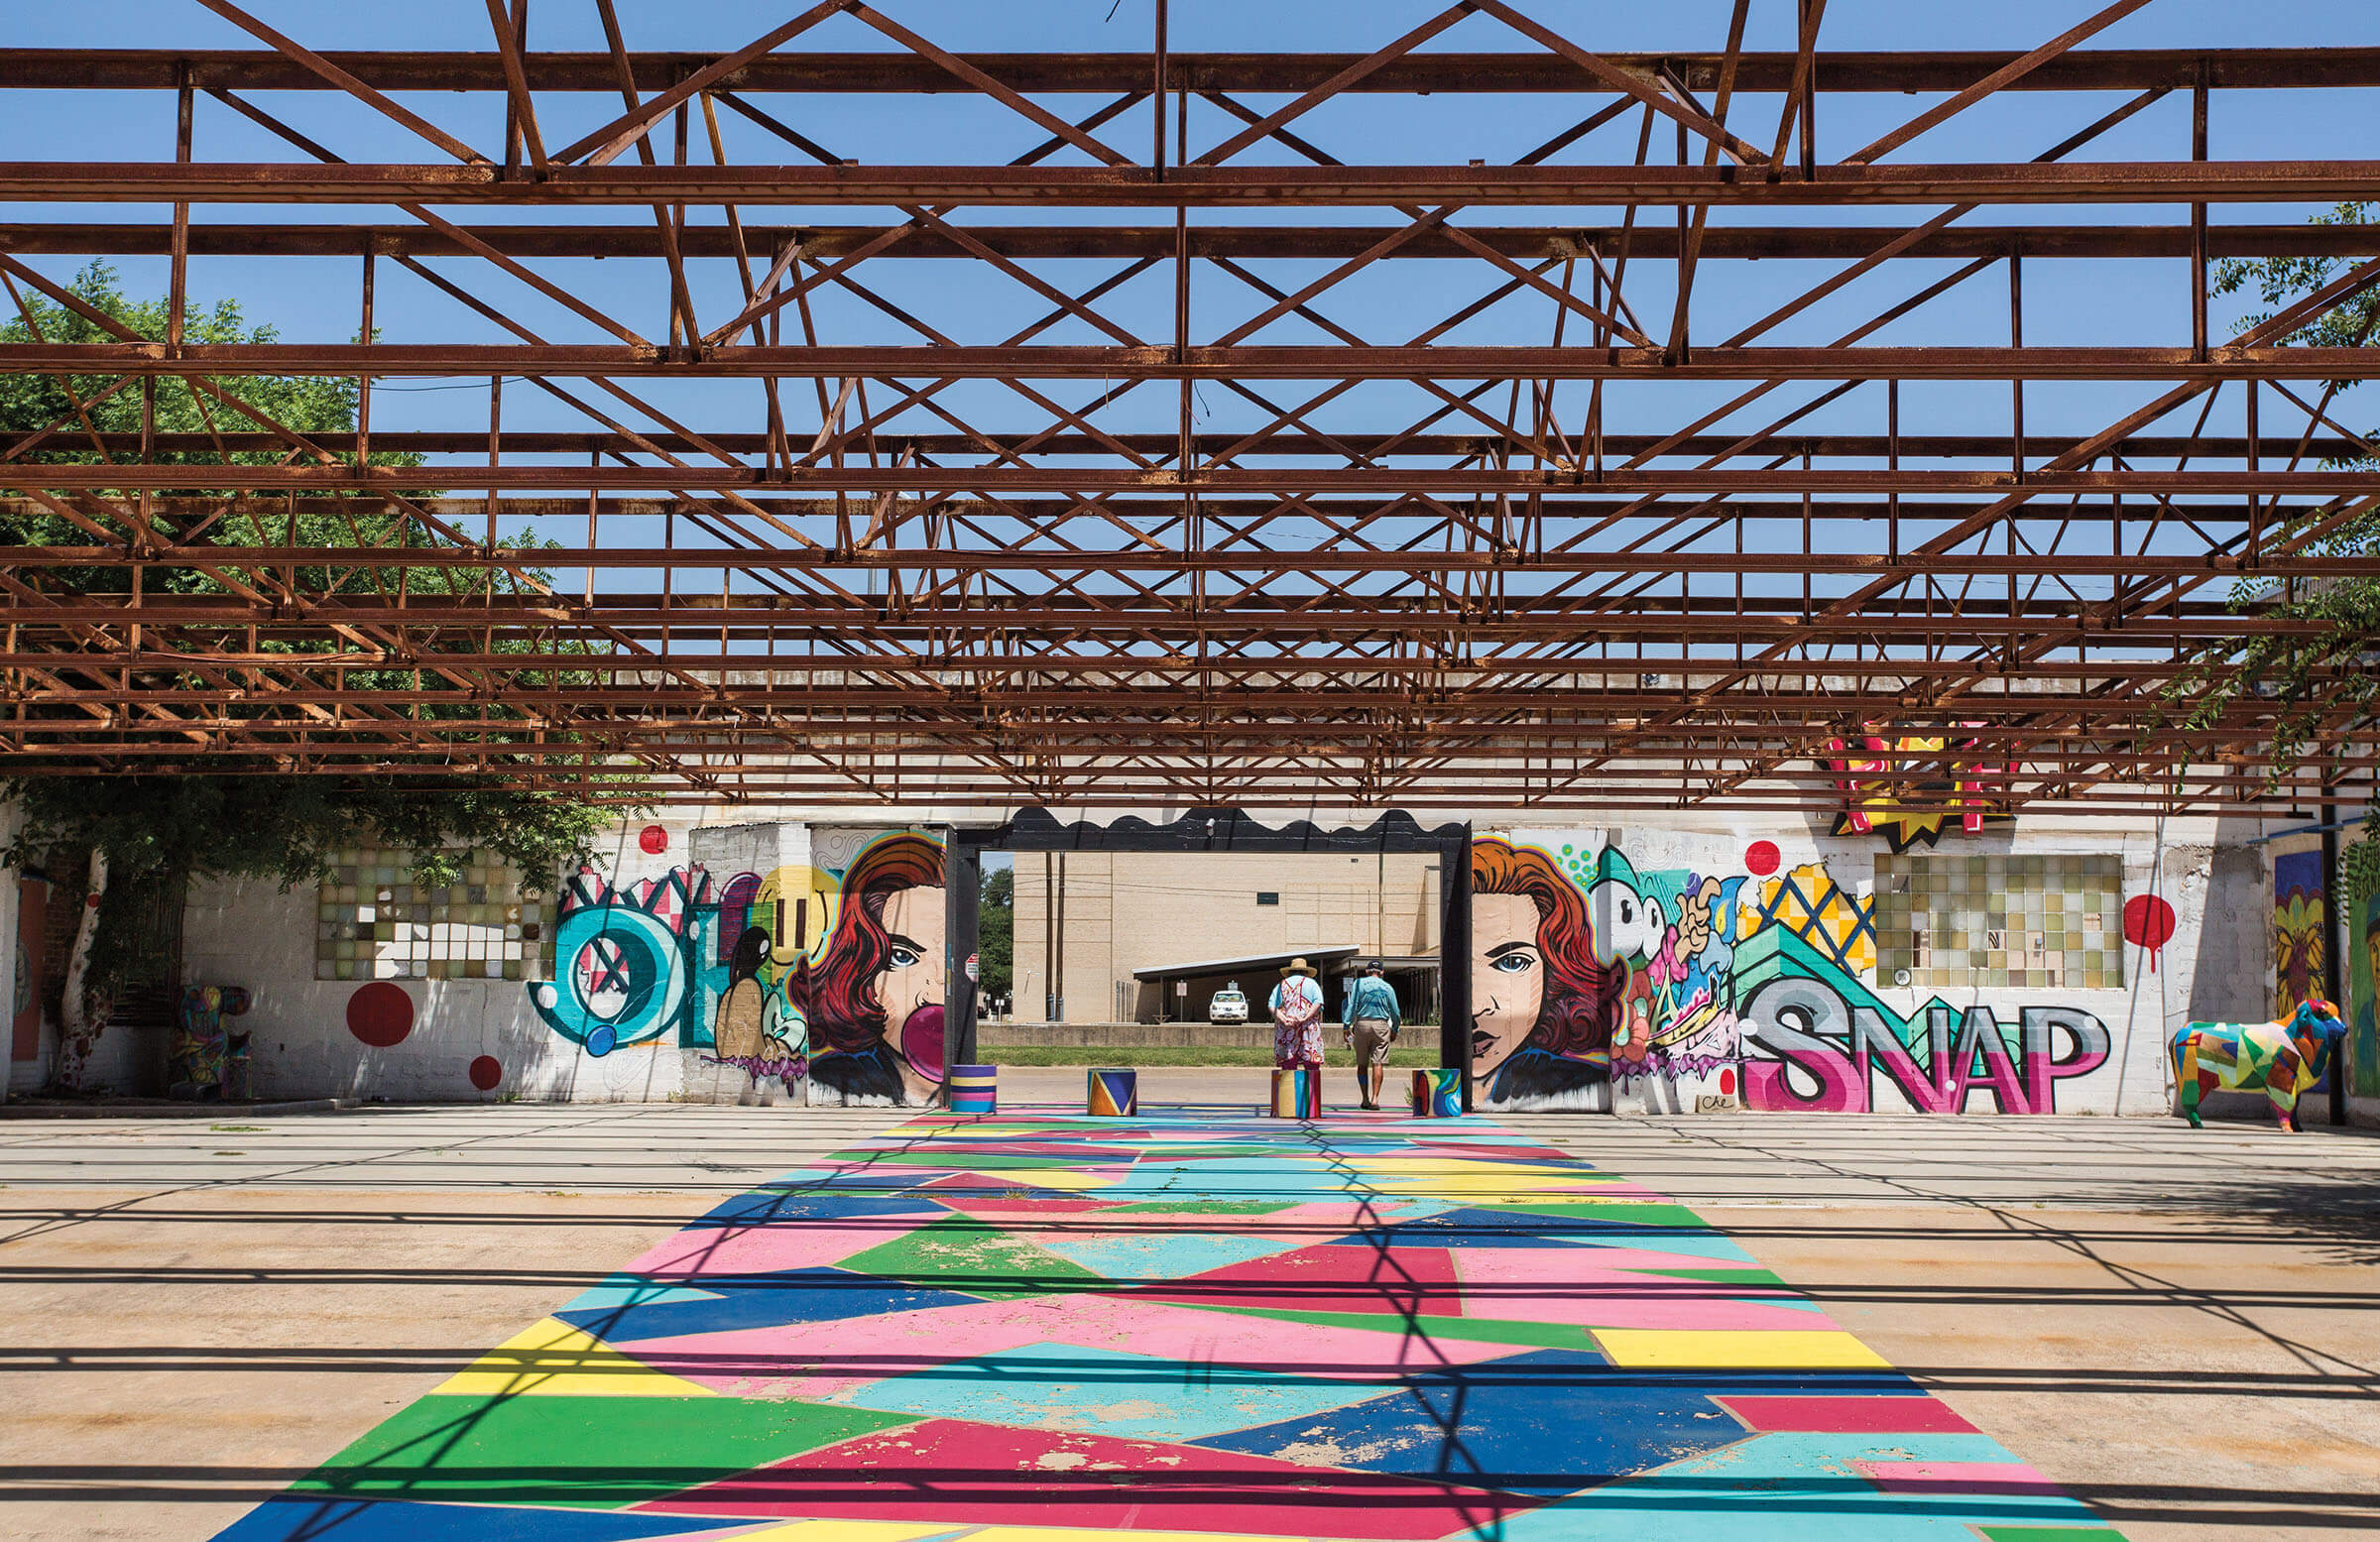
(876, 997)
(1507, 977)
(1543, 1007)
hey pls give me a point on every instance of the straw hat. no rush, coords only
(1298, 965)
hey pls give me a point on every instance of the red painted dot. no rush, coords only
(2148, 922)
(1760, 858)
(653, 840)
(486, 1072)
(380, 1014)
(1727, 1081)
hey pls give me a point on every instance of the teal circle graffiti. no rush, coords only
(613, 953)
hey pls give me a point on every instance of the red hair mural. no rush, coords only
(874, 1001)
(1542, 1006)
(860, 1017)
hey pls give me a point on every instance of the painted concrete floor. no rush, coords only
(1191, 1322)
(2177, 1330)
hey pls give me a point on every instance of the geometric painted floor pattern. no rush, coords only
(1188, 1324)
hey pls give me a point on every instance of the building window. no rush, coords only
(373, 922)
(2001, 922)
(1267, 896)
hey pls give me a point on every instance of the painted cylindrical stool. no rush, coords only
(1109, 1092)
(1296, 1094)
(1438, 1093)
(974, 1089)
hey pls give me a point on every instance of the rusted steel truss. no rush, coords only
(1175, 433)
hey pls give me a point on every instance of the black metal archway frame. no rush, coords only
(1217, 830)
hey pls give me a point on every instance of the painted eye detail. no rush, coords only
(902, 958)
(1514, 963)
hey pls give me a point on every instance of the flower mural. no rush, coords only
(2301, 918)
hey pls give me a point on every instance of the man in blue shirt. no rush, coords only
(1368, 1025)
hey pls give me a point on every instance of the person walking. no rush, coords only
(1368, 1023)
(1297, 1021)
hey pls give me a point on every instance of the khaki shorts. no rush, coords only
(1373, 1036)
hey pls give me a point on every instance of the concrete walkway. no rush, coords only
(2175, 1328)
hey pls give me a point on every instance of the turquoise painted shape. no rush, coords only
(630, 1290)
(1793, 1487)
(1686, 1245)
(1171, 1252)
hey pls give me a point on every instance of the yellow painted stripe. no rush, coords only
(1738, 1349)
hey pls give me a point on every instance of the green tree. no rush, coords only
(996, 931)
(148, 833)
(2301, 677)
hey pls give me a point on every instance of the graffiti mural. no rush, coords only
(1543, 1000)
(1738, 985)
(2301, 926)
(2363, 1053)
(823, 978)
(874, 999)
(1815, 1039)
(1872, 771)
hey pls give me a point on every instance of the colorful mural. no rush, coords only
(1697, 989)
(1870, 771)
(1814, 1039)
(824, 978)
(2363, 1054)
(1545, 998)
(2301, 929)
(1027, 1328)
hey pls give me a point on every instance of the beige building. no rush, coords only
(1135, 925)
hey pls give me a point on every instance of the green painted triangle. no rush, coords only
(965, 1255)
(1604, 1209)
(1475, 1330)
(586, 1453)
(1723, 1276)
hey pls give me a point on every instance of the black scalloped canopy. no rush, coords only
(1222, 829)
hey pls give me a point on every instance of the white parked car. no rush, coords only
(1227, 1004)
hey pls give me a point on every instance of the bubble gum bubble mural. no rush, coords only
(826, 980)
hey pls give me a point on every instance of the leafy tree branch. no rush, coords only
(149, 834)
(2331, 659)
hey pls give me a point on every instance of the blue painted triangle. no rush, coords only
(290, 1518)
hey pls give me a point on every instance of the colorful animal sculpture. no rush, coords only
(2283, 1058)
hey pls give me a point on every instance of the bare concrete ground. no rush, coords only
(2179, 1327)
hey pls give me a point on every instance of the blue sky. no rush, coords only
(2073, 303)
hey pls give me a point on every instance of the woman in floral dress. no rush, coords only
(1297, 1019)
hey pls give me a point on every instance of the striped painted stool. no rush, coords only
(1296, 1094)
(1112, 1094)
(1438, 1093)
(974, 1089)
